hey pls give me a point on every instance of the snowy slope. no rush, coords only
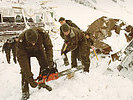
(84, 16)
(102, 83)
(122, 9)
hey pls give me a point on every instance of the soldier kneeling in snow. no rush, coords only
(76, 41)
(31, 43)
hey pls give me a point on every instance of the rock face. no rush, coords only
(103, 27)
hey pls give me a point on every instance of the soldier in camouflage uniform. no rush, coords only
(7, 49)
(31, 43)
(77, 42)
(73, 54)
(13, 48)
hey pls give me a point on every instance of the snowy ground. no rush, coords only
(103, 82)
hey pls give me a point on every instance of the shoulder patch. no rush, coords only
(72, 34)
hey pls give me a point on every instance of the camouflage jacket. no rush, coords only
(74, 38)
(24, 48)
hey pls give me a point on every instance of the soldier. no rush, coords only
(77, 42)
(89, 41)
(69, 22)
(73, 55)
(7, 49)
(13, 48)
(31, 43)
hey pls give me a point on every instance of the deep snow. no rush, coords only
(103, 82)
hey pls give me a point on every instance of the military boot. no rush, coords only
(86, 70)
(43, 85)
(66, 62)
(74, 64)
(8, 62)
(25, 89)
(14, 59)
(25, 96)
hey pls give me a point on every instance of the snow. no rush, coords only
(117, 41)
(104, 82)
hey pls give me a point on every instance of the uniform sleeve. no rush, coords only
(48, 48)
(72, 40)
(72, 44)
(61, 33)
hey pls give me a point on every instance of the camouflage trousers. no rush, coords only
(82, 52)
(74, 57)
(66, 62)
(14, 56)
(8, 55)
(42, 59)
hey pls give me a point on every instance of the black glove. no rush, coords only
(45, 72)
(53, 70)
(64, 52)
(32, 82)
(48, 71)
(64, 48)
